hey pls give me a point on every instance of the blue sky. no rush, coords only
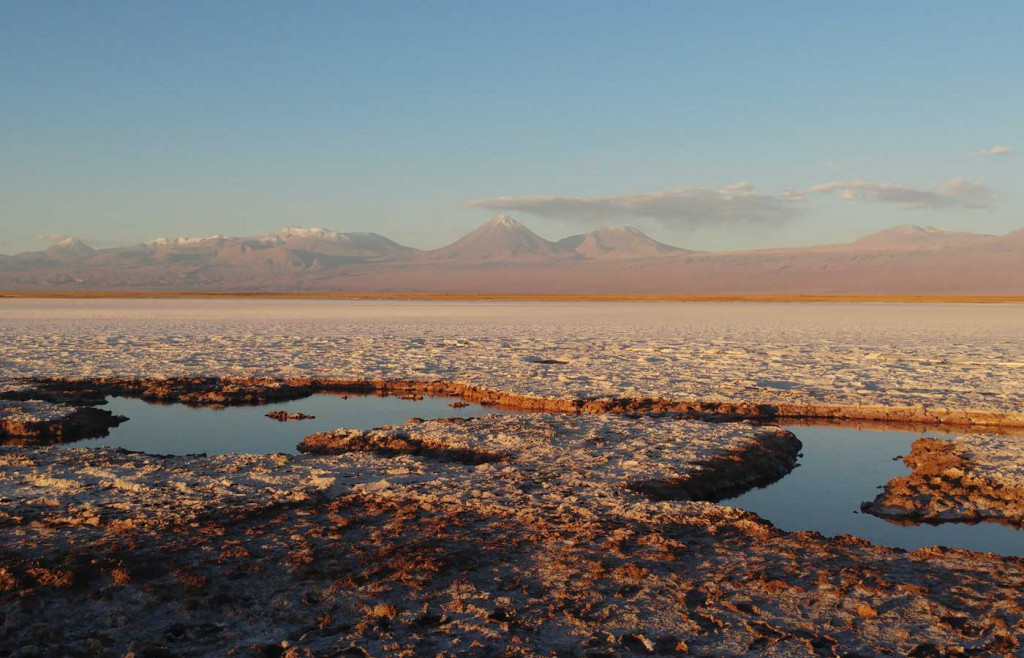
(122, 121)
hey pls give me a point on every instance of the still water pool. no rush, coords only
(180, 430)
(843, 467)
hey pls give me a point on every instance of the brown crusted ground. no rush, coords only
(359, 576)
(395, 442)
(407, 570)
(226, 391)
(664, 459)
(946, 486)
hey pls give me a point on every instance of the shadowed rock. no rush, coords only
(31, 422)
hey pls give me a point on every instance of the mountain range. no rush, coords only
(504, 256)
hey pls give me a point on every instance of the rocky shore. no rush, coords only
(28, 422)
(967, 479)
(238, 391)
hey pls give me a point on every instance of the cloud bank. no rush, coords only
(956, 192)
(995, 150)
(733, 204)
(681, 206)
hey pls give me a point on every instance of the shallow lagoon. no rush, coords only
(843, 467)
(180, 430)
(839, 468)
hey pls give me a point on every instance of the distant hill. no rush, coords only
(504, 256)
(910, 236)
(616, 242)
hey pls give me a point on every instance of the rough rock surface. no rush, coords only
(543, 552)
(969, 478)
(283, 416)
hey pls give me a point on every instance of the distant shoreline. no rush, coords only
(766, 298)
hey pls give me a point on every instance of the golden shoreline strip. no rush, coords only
(851, 298)
(243, 391)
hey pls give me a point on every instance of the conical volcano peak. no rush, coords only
(71, 242)
(505, 221)
(502, 238)
(71, 245)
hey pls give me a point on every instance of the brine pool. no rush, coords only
(840, 467)
(181, 430)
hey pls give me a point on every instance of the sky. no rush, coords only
(712, 125)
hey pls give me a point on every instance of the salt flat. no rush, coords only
(546, 534)
(942, 356)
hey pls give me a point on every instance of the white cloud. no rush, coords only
(995, 150)
(957, 192)
(682, 206)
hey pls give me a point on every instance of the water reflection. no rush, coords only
(179, 430)
(842, 467)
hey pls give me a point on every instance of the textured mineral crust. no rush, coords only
(662, 457)
(959, 364)
(26, 422)
(970, 478)
(544, 548)
(283, 416)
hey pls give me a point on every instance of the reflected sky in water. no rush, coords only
(840, 469)
(179, 430)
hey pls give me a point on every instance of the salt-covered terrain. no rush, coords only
(888, 361)
(548, 534)
(546, 549)
(34, 419)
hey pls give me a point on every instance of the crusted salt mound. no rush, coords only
(595, 457)
(25, 412)
(976, 477)
(283, 416)
(661, 457)
(39, 421)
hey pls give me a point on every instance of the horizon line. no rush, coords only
(860, 298)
